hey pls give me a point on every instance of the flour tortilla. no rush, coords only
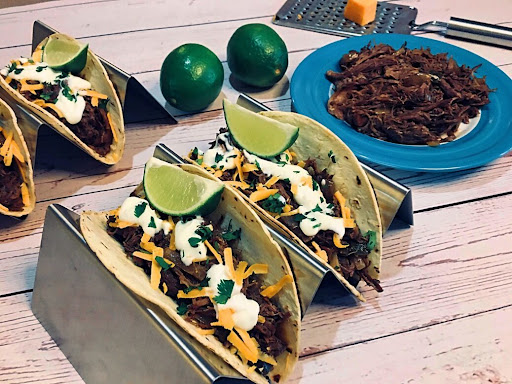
(9, 123)
(315, 141)
(95, 73)
(257, 247)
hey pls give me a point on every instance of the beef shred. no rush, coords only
(10, 184)
(407, 96)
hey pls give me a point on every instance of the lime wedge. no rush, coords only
(65, 54)
(175, 192)
(259, 135)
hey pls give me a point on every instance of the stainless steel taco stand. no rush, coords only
(107, 333)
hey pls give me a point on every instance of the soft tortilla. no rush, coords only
(315, 141)
(95, 73)
(9, 123)
(255, 242)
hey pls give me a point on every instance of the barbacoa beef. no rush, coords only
(10, 184)
(407, 96)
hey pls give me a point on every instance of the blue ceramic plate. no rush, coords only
(490, 139)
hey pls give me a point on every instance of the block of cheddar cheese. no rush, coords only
(361, 12)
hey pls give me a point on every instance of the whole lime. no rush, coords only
(257, 55)
(191, 77)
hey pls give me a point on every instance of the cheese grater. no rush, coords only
(326, 16)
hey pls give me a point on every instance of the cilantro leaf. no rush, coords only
(317, 209)
(102, 103)
(225, 289)
(204, 232)
(218, 157)
(273, 203)
(152, 223)
(17, 71)
(182, 308)
(199, 287)
(317, 225)
(40, 68)
(372, 239)
(315, 186)
(257, 165)
(195, 151)
(11, 68)
(139, 209)
(331, 156)
(298, 217)
(194, 241)
(162, 263)
(233, 235)
(199, 161)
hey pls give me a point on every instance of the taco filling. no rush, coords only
(199, 265)
(300, 196)
(14, 193)
(67, 97)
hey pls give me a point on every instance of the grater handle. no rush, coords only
(481, 32)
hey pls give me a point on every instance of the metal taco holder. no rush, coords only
(109, 334)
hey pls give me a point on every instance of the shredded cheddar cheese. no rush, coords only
(16, 152)
(248, 167)
(145, 238)
(243, 350)
(24, 194)
(319, 251)
(271, 181)
(94, 101)
(143, 255)
(238, 184)
(210, 331)
(262, 194)
(164, 286)
(258, 269)
(261, 319)
(228, 261)
(155, 274)
(337, 241)
(225, 319)
(7, 144)
(205, 292)
(274, 289)
(91, 93)
(214, 251)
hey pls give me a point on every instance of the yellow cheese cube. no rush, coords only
(361, 12)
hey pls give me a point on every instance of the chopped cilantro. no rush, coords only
(182, 308)
(39, 68)
(67, 92)
(317, 209)
(296, 171)
(331, 156)
(199, 161)
(317, 225)
(372, 239)
(11, 68)
(225, 289)
(162, 263)
(287, 180)
(273, 203)
(17, 71)
(152, 223)
(282, 163)
(195, 151)
(257, 165)
(194, 241)
(232, 235)
(204, 232)
(221, 167)
(218, 157)
(46, 96)
(322, 199)
(102, 103)
(214, 166)
(199, 287)
(63, 75)
(298, 217)
(30, 61)
(315, 186)
(139, 209)
(231, 157)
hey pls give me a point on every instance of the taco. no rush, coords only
(220, 276)
(17, 196)
(84, 108)
(315, 190)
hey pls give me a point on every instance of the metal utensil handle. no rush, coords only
(477, 31)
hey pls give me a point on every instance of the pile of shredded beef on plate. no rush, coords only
(406, 96)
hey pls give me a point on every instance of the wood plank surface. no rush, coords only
(445, 313)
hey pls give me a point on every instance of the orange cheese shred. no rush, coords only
(238, 184)
(54, 108)
(149, 246)
(271, 181)
(238, 162)
(268, 359)
(94, 101)
(145, 238)
(91, 93)
(294, 188)
(262, 194)
(258, 269)
(301, 164)
(7, 144)
(274, 289)
(349, 223)
(243, 350)
(340, 198)
(122, 224)
(290, 213)
(248, 167)
(31, 87)
(201, 331)
(319, 251)
(251, 344)
(225, 319)
(228, 261)
(218, 173)
(37, 56)
(164, 286)
(194, 293)
(158, 252)
(114, 133)
(337, 241)
(24, 194)
(143, 255)
(213, 251)
(8, 157)
(16, 152)
(155, 274)
(240, 272)
(261, 319)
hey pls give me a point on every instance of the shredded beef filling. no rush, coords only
(10, 184)
(94, 128)
(200, 311)
(407, 96)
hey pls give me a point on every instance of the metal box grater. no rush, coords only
(326, 16)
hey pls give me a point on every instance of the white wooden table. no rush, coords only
(445, 315)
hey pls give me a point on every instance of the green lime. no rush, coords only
(191, 77)
(258, 134)
(175, 192)
(257, 55)
(65, 54)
